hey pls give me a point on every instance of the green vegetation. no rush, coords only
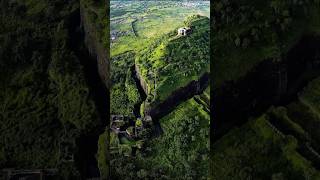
(124, 93)
(311, 96)
(257, 151)
(250, 32)
(280, 136)
(70, 90)
(46, 103)
(149, 20)
(281, 144)
(96, 10)
(102, 155)
(305, 113)
(144, 41)
(280, 117)
(181, 152)
(119, 100)
(184, 147)
(140, 17)
(131, 89)
(174, 61)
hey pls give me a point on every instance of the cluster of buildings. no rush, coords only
(128, 127)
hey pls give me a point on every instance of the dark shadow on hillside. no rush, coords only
(272, 82)
(88, 143)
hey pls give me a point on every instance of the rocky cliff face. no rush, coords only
(143, 83)
(272, 82)
(95, 45)
(96, 61)
(158, 110)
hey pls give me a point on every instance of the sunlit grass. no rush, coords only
(157, 20)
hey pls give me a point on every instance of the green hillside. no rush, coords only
(258, 151)
(147, 50)
(47, 102)
(136, 24)
(265, 85)
(182, 151)
(244, 33)
(174, 61)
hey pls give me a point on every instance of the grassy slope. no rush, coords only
(157, 16)
(175, 61)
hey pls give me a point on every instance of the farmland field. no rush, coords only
(134, 25)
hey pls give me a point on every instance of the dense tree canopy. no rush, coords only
(46, 103)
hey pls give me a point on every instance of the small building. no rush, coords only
(184, 31)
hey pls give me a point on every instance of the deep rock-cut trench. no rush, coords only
(87, 144)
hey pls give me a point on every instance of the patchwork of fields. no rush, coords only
(134, 24)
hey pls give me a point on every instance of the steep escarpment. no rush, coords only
(95, 24)
(271, 82)
(158, 109)
(265, 53)
(195, 87)
(174, 60)
(95, 37)
(142, 82)
(168, 72)
(175, 67)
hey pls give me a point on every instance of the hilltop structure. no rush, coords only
(128, 127)
(184, 31)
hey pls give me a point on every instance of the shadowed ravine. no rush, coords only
(87, 144)
(141, 92)
(165, 107)
(270, 83)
